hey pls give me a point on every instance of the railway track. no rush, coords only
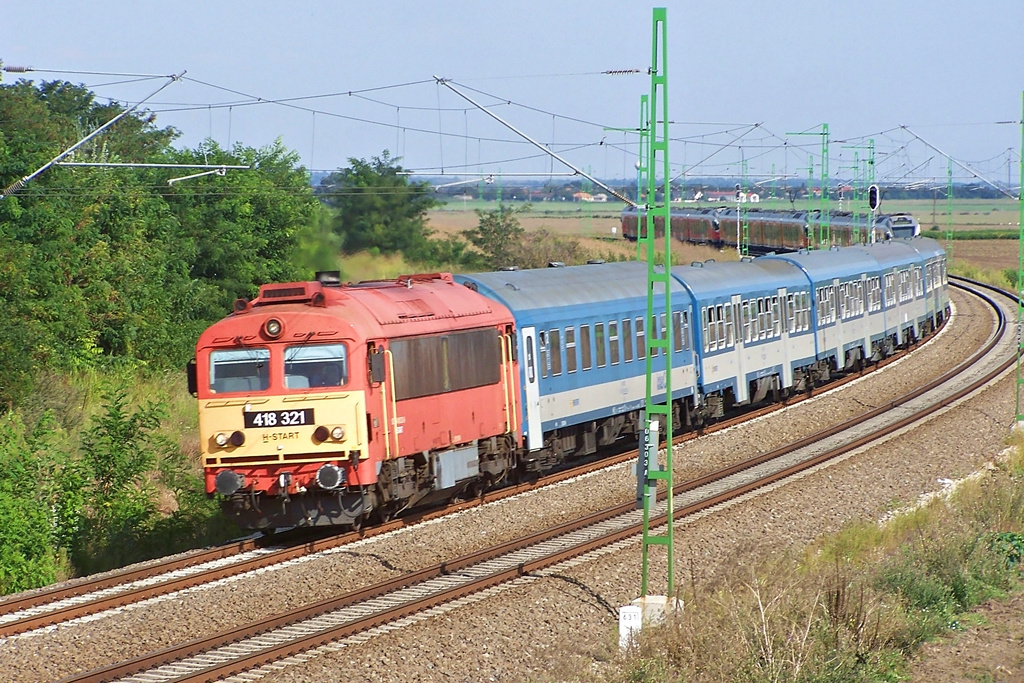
(115, 589)
(400, 600)
(87, 596)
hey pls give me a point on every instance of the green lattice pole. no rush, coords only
(1020, 265)
(949, 211)
(643, 230)
(658, 278)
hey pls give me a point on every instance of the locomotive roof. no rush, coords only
(723, 279)
(417, 304)
(589, 285)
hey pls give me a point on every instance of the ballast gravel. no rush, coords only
(547, 628)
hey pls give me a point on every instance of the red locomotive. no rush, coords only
(322, 403)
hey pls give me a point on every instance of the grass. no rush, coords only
(854, 606)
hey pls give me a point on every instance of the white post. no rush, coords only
(630, 621)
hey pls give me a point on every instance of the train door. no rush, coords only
(535, 431)
(864, 318)
(739, 352)
(784, 322)
(837, 318)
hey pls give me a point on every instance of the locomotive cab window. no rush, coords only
(239, 370)
(319, 365)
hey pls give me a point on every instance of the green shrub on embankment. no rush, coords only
(100, 469)
(857, 605)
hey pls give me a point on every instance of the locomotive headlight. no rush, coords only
(221, 439)
(273, 328)
(237, 438)
(322, 433)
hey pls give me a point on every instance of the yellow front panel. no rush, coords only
(280, 428)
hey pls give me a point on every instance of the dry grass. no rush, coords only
(854, 606)
(593, 234)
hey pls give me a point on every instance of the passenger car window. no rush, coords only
(585, 346)
(570, 350)
(555, 347)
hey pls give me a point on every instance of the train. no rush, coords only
(330, 404)
(771, 230)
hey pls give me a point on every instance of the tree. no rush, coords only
(240, 230)
(498, 234)
(378, 207)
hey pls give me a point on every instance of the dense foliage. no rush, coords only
(105, 263)
(107, 277)
(377, 207)
(114, 272)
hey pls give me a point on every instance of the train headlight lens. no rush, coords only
(237, 438)
(221, 439)
(338, 433)
(228, 482)
(321, 434)
(273, 328)
(330, 477)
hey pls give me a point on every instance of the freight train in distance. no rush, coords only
(774, 230)
(322, 404)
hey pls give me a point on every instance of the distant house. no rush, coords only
(583, 197)
(600, 197)
(730, 196)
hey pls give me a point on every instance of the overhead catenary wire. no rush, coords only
(616, 194)
(25, 180)
(961, 164)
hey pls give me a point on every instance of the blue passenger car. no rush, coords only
(582, 349)
(845, 292)
(907, 314)
(935, 282)
(754, 327)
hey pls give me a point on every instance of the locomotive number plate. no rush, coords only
(278, 418)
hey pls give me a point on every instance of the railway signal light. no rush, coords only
(874, 197)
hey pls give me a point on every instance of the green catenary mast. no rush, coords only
(949, 211)
(824, 218)
(658, 279)
(1020, 265)
(643, 229)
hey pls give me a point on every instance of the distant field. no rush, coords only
(593, 230)
(593, 224)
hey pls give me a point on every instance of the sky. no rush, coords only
(927, 80)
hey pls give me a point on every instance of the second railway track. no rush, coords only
(88, 596)
(259, 643)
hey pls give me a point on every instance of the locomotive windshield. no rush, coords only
(239, 370)
(322, 365)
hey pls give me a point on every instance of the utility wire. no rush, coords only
(21, 183)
